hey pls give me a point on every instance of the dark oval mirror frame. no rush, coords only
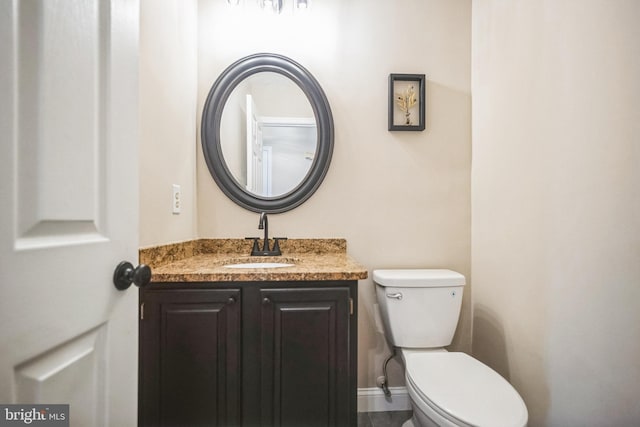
(210, 131)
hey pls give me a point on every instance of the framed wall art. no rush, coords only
(406, 102)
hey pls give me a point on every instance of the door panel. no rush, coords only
(76, 366)
(60, 141)
(190, 345)
(305, 357)
(68, 182)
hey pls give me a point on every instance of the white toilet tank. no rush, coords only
(419, 308)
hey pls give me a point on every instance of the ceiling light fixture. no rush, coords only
(277, 5)
(274, 5)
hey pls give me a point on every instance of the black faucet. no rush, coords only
(265, 251)
(264, 225)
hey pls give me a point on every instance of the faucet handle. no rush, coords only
(276, 245)
(255, 250)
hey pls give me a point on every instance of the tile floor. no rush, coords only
(383, 419)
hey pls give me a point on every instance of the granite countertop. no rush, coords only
(203, 260)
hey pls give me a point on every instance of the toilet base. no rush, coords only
(409, 423)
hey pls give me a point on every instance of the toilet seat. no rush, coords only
(463, 390)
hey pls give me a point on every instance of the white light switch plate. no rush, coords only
(176, 199)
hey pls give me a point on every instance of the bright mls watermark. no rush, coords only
(34, 415)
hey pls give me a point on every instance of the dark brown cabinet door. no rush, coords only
(190, 343)
(305, 357)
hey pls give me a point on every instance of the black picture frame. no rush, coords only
(405, 115)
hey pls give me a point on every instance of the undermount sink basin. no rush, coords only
(259, 265)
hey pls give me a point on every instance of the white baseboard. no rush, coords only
(373, 399)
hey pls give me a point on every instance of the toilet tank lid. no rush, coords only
(418, 278)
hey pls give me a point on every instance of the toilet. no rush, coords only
(419, 310)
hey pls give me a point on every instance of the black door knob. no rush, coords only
(125, 275)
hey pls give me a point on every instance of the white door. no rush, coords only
(68, 187)
(267, 171)
(254, 149)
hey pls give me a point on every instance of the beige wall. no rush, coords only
(401, 199)
(556, 205)
(168, 76)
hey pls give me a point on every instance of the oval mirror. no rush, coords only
(267, 133)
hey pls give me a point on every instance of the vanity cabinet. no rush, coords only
(248, 354)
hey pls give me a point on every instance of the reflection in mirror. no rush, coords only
(268, 134)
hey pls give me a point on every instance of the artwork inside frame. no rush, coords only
(406, 102)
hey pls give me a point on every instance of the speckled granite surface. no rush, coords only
(204, 260)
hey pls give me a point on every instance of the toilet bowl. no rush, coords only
(454, 389)
(420, 310)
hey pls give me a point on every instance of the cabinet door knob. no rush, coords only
(125, 275)
(231, 300)
(266, 301)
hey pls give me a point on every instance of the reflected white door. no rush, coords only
(68, 186)
(254, 148)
